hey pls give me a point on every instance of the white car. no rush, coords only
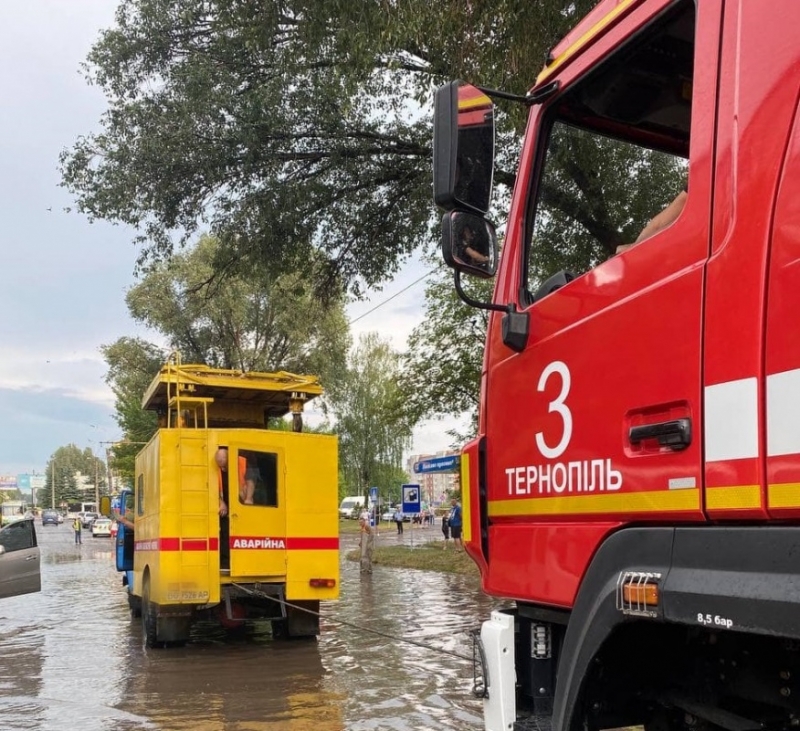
(101, 527)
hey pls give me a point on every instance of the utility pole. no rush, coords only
(109, 447)
(96, 488)
(53, 485)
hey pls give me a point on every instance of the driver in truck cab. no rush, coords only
(660, 221)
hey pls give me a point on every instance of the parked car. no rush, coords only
(388, 515)
(88, 518)
(50, 517)
(20, 565)
(351, 506)
(101, 527)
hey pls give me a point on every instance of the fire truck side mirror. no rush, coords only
(469, 244)
(463, 148)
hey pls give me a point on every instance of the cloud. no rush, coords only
(45, 420)
(77, 375)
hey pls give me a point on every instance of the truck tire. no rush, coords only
(149, 620)
(135, 606)
(302, 624)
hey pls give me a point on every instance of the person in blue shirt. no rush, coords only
(454, 521)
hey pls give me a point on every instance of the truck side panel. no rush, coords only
(783, 343)
(757, 101)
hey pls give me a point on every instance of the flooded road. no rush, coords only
(71, 657)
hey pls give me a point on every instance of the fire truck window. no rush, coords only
(617, 151)
(260, 472)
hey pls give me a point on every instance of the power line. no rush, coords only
(396, 294)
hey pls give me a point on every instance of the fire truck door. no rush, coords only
(257, 512)
(601, 412)
(603, 407)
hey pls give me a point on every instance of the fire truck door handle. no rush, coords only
(675, 434)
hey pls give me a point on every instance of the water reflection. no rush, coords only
(72, 658)
(396, 685)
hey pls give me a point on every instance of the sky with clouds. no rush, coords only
(63, 278)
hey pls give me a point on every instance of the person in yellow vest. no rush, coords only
(77, 527)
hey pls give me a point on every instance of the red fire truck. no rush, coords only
(635, 484)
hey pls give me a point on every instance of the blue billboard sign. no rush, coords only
(412, 499)
(438, 464)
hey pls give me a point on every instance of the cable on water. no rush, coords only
(343, 622)
(480, 668)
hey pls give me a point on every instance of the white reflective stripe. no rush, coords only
(731, 420)
(783, 413)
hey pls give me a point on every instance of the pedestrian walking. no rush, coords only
(77, 527)
(398, 519)
(367, 544)
(445, 531)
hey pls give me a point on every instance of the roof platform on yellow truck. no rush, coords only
(214, 397)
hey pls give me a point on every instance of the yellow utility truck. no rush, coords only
(228, 518)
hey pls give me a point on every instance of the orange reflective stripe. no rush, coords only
(242, 470)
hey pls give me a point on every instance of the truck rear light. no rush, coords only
(638, 593)
(322, 583)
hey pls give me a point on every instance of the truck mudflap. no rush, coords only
(499, 697)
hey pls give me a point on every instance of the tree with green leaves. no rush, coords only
(132, 365)
(247, 320)
(440, 374)
(242, 322)
(299, 133)
(373, 433)
(69, 471)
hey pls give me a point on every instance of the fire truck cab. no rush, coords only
(250, 535)
(635, 484)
